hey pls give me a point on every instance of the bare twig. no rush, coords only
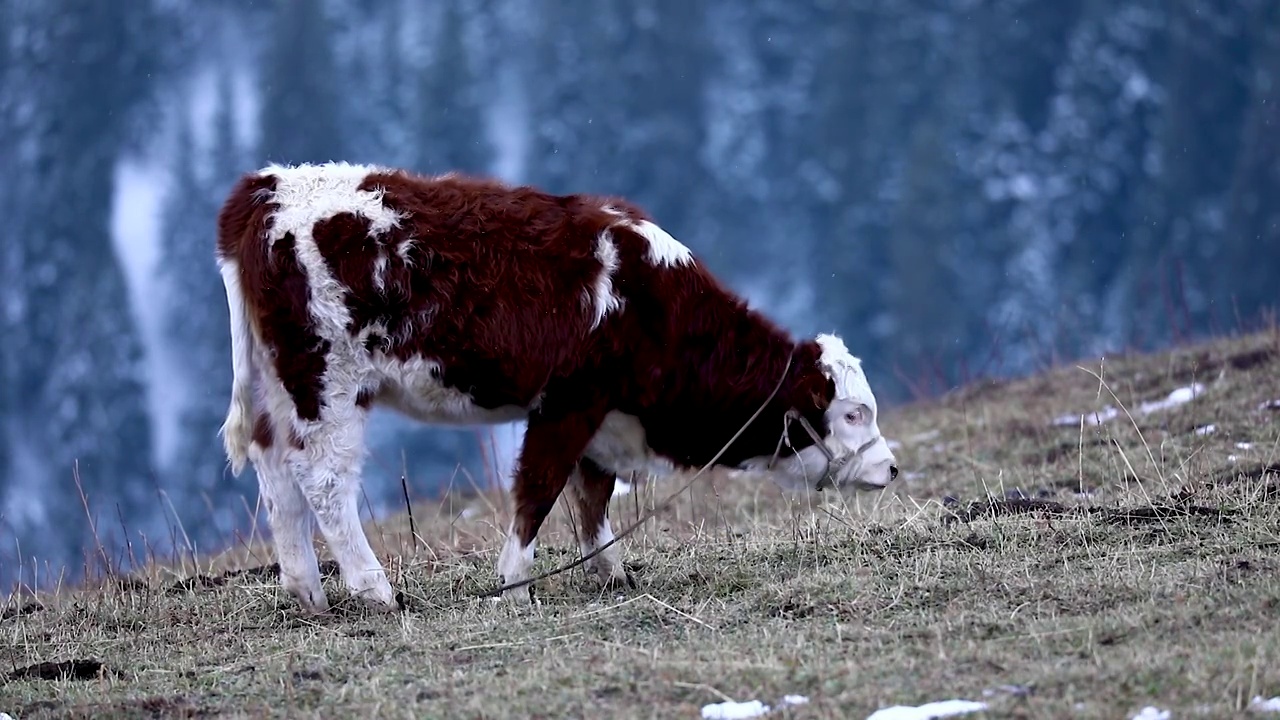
(408, 507)
(93, 527)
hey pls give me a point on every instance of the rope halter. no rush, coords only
(834, 464)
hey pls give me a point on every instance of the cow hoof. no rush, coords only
(313, 606)
(611, 575)
(378, 604)
(617, 580)
(310, 596)
(522, 595)
(376, 593)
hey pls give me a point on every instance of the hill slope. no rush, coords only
(1047, 568)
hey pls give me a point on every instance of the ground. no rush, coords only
(1050, 570)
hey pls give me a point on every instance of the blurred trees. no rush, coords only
(195, 321)
(78, 76)
(302, 94)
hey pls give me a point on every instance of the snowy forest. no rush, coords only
(961, 188)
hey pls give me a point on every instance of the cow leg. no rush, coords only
(290, 518)
(552, 445)
(592, 488)
(329, 474)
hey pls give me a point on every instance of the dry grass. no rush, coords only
(1087, 571)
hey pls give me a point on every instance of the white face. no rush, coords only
(853, 427)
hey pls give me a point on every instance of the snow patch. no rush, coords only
(1207, 429)
(928, 711)
(1257, 704)
(924, 436)
(731, 710)
(1244, 446)
(1270, 405)
(1094, 418)
(1181, 396)
(1152, 713)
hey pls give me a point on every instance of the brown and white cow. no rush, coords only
(466, 301)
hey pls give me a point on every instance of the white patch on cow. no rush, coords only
(414, 387)
(620, 446)
(514, 564)
(608, 564)
(600, 298)
(292, 524)
(306, 195)
(845, 370)
(664, 250)
(403, 251)
(380, 270)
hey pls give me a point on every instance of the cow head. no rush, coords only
(839, 440)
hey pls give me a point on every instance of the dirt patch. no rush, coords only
(1009, 506)
(1245, 569)
(328, 568)
(148, 707)
(1161, 513)
(1251, 359)
(1069, 449)
(1246, 472)
(998, 507)
(132, 584)
(23, 609)
(65, 670)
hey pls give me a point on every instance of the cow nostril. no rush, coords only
(893, 472)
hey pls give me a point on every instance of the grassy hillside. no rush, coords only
(1050, 570)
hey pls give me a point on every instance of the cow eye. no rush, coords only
(852, 418)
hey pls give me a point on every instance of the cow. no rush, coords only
(464, 300)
